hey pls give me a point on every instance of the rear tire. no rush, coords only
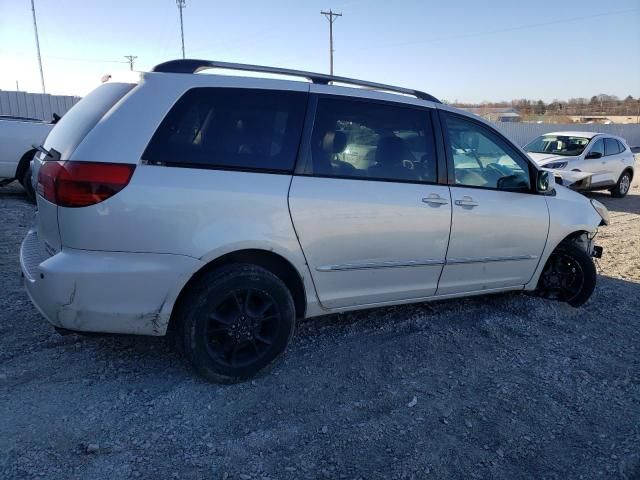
(235, 321)
(27, 184)
(569, 275)
(623, 186)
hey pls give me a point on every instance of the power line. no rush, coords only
(35, 29)
(181, 4)
(330, 16)
(131, 58)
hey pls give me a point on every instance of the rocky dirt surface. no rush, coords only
(506, 386)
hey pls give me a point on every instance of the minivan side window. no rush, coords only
(482, 159)
(377, 141)
(611, 146)
(231, 128)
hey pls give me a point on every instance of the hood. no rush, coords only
(544, 158)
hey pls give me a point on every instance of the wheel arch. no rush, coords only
(577, 247)
(273, 262)
(23, 163)
(628, 169)
(579, 237)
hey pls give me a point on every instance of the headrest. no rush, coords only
(334, 142)
(390, 151)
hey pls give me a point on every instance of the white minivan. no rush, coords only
(224, 208)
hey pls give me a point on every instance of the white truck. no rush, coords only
(17, 137)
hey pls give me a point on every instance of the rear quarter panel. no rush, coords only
(199, 213)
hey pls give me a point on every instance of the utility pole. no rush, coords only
(131, 58)
(35, 29)
(181, 4)
(330, 16)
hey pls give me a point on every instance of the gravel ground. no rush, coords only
(506, 386)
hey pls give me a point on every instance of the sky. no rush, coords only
(457, 50)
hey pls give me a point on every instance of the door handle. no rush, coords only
(466, 201)
(434, 199)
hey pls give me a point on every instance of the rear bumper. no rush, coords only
(110, 292)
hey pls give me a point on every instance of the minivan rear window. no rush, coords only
(231, 128)
(83, 116)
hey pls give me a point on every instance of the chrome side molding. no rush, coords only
(455, 261)
(419, 263)
(366, 265)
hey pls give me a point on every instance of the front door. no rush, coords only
(499, 225)
(371, 220)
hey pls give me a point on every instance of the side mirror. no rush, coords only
(591, 155)
(546, 182)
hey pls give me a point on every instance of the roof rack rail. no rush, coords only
(194, 66)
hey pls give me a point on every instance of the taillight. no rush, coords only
(80, 184)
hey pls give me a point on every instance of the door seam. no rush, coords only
(304, 255)
(446, 252)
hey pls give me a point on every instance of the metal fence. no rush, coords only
(42, 106)
(35, 105)
(522, 133)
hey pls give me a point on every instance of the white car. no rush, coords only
(224, 208)
(608, 158)
(17, 137)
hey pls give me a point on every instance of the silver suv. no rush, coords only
(224, 208)
(608, 159)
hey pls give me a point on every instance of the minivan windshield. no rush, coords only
(567, 145)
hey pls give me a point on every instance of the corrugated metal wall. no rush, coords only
(42, 106)
(35, 105)
(522, 133)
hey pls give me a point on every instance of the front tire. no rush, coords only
(623, 186)
(235, 321)
(569, 275)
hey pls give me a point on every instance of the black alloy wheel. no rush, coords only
(234, 321)
(242, 326)
(568, 276)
